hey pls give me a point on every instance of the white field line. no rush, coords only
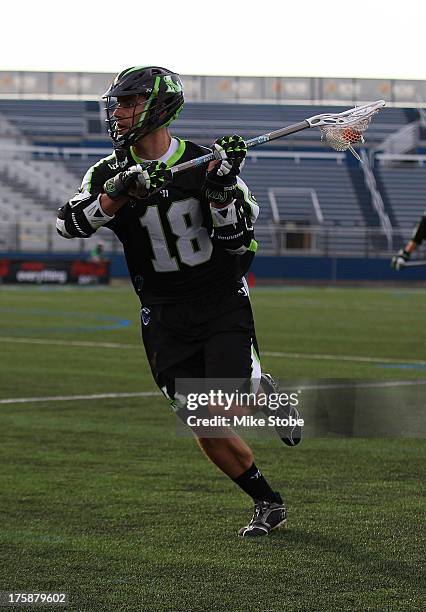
(278, 354)
(73, 398)
(387, 384)
(342, 358)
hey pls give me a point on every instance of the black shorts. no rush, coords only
(212, 337)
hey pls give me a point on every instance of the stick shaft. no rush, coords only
(316, 121)
(253, 142)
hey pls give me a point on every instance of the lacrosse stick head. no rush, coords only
(342, 130)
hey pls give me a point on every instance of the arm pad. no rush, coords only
(81, 216)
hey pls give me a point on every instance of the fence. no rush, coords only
(274, 239)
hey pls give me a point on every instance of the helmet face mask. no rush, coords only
(153, 97)
(124, 114)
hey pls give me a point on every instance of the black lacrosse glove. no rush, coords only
(221, 182)
(140, 181)
(399, 260)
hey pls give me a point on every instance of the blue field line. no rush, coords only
(109, 322)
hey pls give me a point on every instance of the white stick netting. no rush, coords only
(348, 130)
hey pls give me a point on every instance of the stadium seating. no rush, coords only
(406, 191)
(201, 122)
(39, 182)
(330, 180)
(49, 118)
(204, 122)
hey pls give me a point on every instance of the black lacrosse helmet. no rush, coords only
(163, 91)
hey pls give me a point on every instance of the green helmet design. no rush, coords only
(163, 92)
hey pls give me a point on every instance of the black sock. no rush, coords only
(254, 484)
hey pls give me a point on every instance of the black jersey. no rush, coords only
(166, 237)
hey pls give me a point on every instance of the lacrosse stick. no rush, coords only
(339, 130)
(412, 264)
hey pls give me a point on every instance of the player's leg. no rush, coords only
(229, 359)
(173, 356)
(228, 451)
(230, 454)
(235, 458)
(231, 355)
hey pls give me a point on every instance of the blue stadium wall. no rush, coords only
(291, 269)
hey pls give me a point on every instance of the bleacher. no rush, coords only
(203, 122)
(48, 182)
(79, 121)
(329, 178)
(46, 118)
(406, 192)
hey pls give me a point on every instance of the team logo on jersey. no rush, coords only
(146, 315)
(217, 196)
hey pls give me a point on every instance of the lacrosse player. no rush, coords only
(188, 241)
(419, 234)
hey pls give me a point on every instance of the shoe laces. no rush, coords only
(259, 507)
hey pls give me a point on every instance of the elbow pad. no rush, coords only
(81, 216)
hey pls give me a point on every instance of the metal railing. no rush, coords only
(322, 241)
(274, 239)
(387, 159)
(311, 209)
(403, 140)
(376, 199)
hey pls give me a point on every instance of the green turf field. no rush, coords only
(101, 499)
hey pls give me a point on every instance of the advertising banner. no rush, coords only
(29, 271)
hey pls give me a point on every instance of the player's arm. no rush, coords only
(233, 208)
(82, 215)
(97, 202)
(419, 234)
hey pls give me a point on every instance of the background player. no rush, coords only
(188, 241)
(419, 234)
(97, 254)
